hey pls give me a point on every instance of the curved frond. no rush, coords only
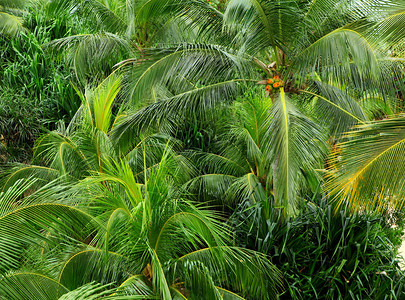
(92, 54)
(336, 109)
(93, 265)
(260, 24)
(244, 270)
(367, 171)
(296, 144)
(30, 286)
(21, 222)
(343, 55)
(193, 102)
(14, 172)
(102, 15)
(9, 24)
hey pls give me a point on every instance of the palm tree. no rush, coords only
(112, 219)
(318, 51)
(251, 162)
(75, 151)
(366, 168)
(112, 30)
(110, 235)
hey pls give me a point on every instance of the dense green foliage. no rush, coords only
(169, 149)
(35, 89)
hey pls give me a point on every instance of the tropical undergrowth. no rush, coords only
(325, 252)
(36, 89)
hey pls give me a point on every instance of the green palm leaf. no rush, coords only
(295, 145)
(9, 24)
(343, 55)
(367, 170)
(244, 270)
(93, 265)
(31, 286)
(21, 224)
(336, 109)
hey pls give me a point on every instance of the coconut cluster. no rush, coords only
(272, 84)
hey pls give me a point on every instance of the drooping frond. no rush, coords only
(30, 286)
(195, 20)
(367, 172)
(62, 153)
(295, 147)
(90, 54)
(377, 107)
(182, 67)
(10, 25)
(194, 102)
(345, 56)
(92, 291)
(103, 16)
(21, 221)
(245, 271)
(180, 82)
(336, 109)
(259, 24)
(391, 29)
(14, 172)
(93, 265)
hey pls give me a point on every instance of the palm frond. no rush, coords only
(391, 28)
(197, 16)
(22, 220)
(105, 95)
(259, 24)
(336, 109)
(199, 64)
(136, 284)
(93, 265)
(194, 102)
(242, 270)
(367, 170)
(102, 16)
(159, 278)
(295, 144)
(92, 54)
(247, 188)
(10, 25)
(14, 172)
(63, 154)
(345, 56)
(93, 291)
(377, 108)
(30, 286)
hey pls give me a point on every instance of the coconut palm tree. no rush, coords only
(366, 168)
(75, 151)
(112, 236)
(315, 51)
(249, 151)
(111, 219)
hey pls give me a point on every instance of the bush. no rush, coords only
(326, 255)
(35, 89)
